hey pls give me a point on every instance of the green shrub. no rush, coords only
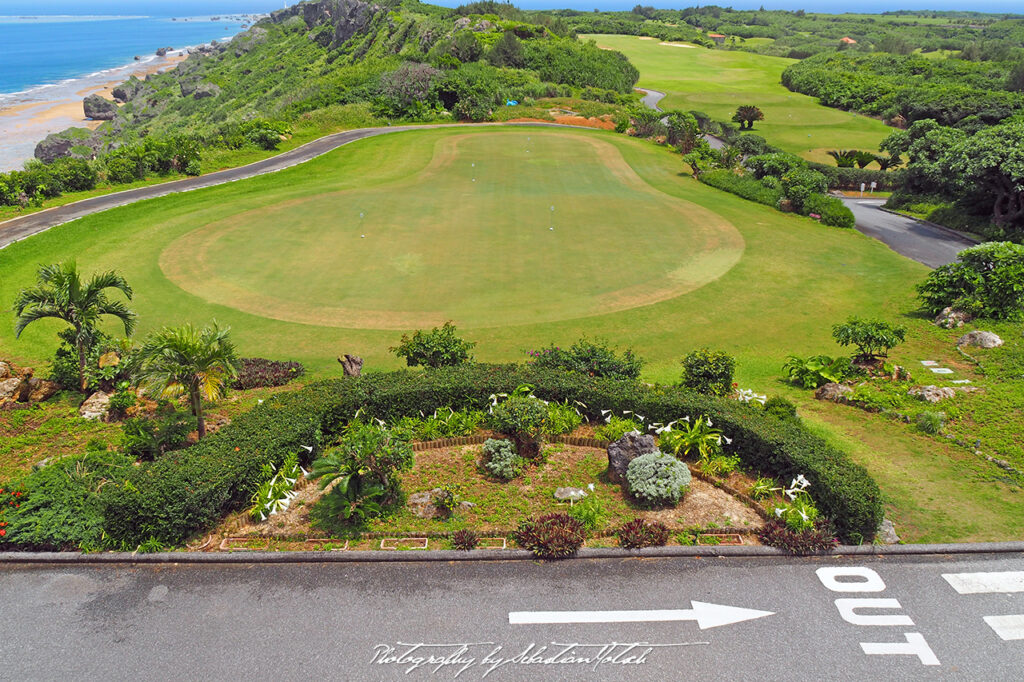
(590, 512)
(746, 187)
(617, 427)
(719, 466)
(561, 418)
(830, 210)
(501, 460)
(521, 417)
(930, 422)
(147, 438)
(657, 479)
(553, 536)
(60, 508)
(638, 533)
(589, 357)
(818, 538)
(437, 348)
(987, 281)
(779, 407)
(708, 372)
(188, 491)
(873, 338)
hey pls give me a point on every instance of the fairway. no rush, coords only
(504, 228)
(718, 81)
(641, 255)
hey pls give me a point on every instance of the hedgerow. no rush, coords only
(187, 492)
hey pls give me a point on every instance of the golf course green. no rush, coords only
(458, 226)
(718, 81)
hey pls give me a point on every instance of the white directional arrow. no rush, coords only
(706, 615)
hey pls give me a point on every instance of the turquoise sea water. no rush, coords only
(48, 51)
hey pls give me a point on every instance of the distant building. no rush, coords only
(717, 37)
(848, 40)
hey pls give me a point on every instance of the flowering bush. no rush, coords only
(276, 493)
(10, 499)
(800, 513)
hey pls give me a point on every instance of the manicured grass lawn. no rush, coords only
(718, 81)
(654, 226)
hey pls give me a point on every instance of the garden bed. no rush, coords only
(499, 506)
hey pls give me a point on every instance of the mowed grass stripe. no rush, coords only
(718, 81)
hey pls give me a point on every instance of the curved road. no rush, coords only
(651, 99)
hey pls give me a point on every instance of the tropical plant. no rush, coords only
(863, 159)
(887, 162)
(763, 487)
(818, 538)
(552, 536)
(562, 418)
(589, 511)
(439, 347)
(149, 437)
(199, 363)
(816, 370)
(521, 416)
(845, 158)
(709, 372)
(275, 494)
(465, 539)
(640, 533)
(362, 469)
(657, 479)
(799, 513)
(686, 438)
(61, 294)
(718, 465)
(873, 338)
(746, 115)
(615, 428)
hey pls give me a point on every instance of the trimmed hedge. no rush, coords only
(742, 186)
(850, 178)
(188, 492)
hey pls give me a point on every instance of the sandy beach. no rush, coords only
(23, 125)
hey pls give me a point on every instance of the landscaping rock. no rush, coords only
(932, 394)
(980, 339)
(887, 533)
(833, 392)
(99, 109)
(95, 407)
(465, 505)
(949, 318)
(570, 494)
(422, 504)
(10, 389)
(41, 389)
(625, 450)
(482, 26)
(5, 370)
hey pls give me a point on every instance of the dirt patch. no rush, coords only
(585, 122)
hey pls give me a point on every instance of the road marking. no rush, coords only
(914, 646)
(706, 615)
(1007, 627)
(848, 611)
(986, 583)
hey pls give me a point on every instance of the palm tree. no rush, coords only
(845, 158)
(186, 360)
(61, 294)
(746, 115)
(887, 162)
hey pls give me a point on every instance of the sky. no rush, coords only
(207, 7)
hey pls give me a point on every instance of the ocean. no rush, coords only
(45, 51)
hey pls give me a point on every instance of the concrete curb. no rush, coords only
(941, 228)
(255, 557)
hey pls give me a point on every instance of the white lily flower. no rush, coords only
(259, 401)
(728, 441)
(605, 411)
(709, 421)
(591, 486)
(307, 448)
(379, 420)
(778, 512)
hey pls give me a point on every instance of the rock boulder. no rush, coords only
(887, 533)
(951, 319)
(570, 494)
(980, 339)
(206, 90)
(41, 389)
(95, 406)
(932, 394)
(833, 392)
(11, 389)
(99, 109)
(625, 450)
(5, 370)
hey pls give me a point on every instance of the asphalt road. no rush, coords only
(865, 618)
(906, 236)
(651, 99)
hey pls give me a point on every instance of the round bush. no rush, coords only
(658, 478)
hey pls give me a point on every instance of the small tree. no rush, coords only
(987, 281)
(61, 294)
(439, 347)
(200, 363)
(709, 372)
(746, 115)
(683, 131)
(873, 338)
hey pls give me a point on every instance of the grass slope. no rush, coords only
(793, 274)
(718, 81)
